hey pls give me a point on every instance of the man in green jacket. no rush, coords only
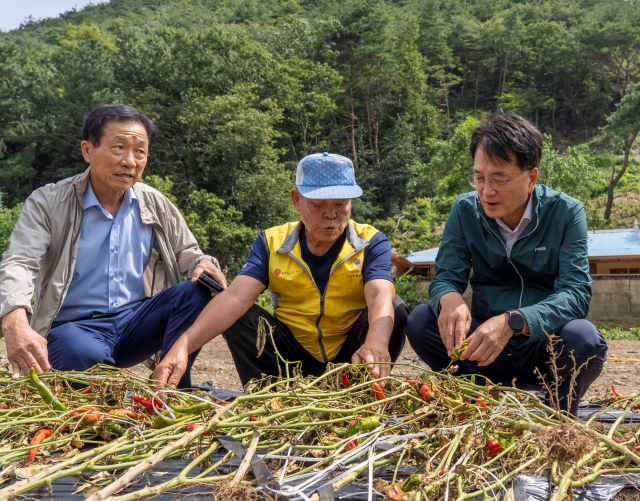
(523, 249)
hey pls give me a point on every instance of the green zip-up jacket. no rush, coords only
(545, 276)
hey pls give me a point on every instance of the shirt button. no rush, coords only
(113, 276)
(512, 236)
(113, 249)
(113, 303)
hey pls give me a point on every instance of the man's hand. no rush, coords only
(488, 340)
(25, 347)
(174, 364)
(371, 352)
(454, 320)
(207, 267)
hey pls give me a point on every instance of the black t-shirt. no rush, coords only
(320, 266)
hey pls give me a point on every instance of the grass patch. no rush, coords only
(618, 333)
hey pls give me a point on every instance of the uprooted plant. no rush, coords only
(441, 435)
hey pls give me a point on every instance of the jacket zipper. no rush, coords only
(509, 253)
(322, 296)
(318, 329)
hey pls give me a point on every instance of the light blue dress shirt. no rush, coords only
(112, 256)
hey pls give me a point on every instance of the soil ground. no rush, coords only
(215, 364)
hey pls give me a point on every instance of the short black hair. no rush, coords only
(509, 133)
(97, 118)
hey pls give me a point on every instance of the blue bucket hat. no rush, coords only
(323, 176)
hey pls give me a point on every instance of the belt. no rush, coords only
(102, 315)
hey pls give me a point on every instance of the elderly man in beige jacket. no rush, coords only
(107, 255)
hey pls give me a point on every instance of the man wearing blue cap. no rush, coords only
(331, 285)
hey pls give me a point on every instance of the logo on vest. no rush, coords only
(277, 272)
(540, 249)
(356, 261)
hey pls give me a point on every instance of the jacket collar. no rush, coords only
(358, 243)
(81, 181)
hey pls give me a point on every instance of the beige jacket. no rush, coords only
(44, 246)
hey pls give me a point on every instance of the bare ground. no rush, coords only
(215, 364)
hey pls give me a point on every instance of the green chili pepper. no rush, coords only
(192, 409)
(412, 481)
(410, 406)
(618, 434)
(364, 425)
(455, 396)
(117, 429)
(338, 430)
(503, 443)
(473, 378)
(45, 392)
(159, 422)
(456, 352)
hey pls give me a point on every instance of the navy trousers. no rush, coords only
(519, 359)
(132, 336)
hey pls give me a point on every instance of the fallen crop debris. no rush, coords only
(443, 436)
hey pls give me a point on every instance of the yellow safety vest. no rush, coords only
(319, 320)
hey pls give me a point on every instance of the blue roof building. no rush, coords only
(611, 252)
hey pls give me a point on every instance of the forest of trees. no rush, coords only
(242, 89)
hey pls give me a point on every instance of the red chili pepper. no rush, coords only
(30, 390)
(125, 413)
(133, 414)
(619, 440)
(87, 390)
(147, 403)
(614, 391)
(350, 446)
(194, 426)
(254, 418)
(521, 398)
(427, 393)
(412, 382)
(359, 416)
(462, 418)
(481, 402)
(377, 392)
(395, 493)
(37, 440)
(344, 379)
(493, 446)
(87, 417)
(5, 406)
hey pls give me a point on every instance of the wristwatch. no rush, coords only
(516, 322)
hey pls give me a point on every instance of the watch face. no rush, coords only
(516, 320)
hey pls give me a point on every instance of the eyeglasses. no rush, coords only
(497, 183)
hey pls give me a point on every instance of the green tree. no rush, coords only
(571, 171)
(8, 220)
(624, 126)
